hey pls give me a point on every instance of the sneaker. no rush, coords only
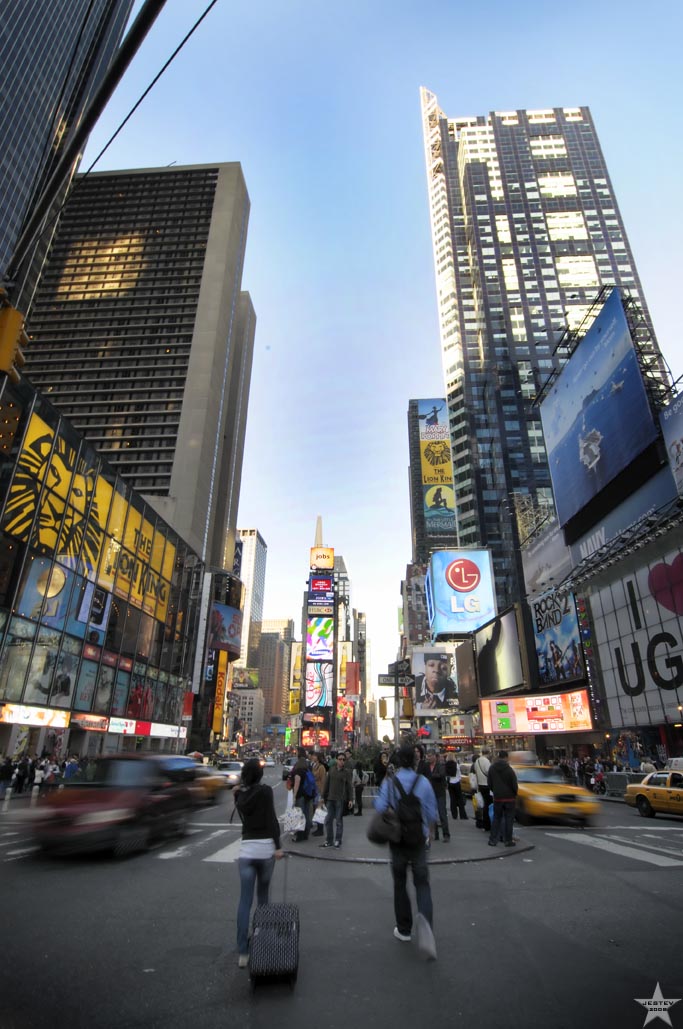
(243, 961)
(511, 844)
(325, 844)
(403, 937)
(446, 839)
(492, 844)
(338, 843)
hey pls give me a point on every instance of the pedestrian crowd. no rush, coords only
(22, 772)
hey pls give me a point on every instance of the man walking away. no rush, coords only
(503, 785)
(301, 799)
(414, 854)
(338, 797)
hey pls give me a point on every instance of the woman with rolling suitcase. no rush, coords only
(259, 849)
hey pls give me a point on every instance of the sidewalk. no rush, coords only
(467, 843)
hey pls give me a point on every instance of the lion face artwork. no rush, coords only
(52, 503)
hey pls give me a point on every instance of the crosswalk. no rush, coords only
(658, 845)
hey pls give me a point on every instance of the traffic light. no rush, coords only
(408, 709)
(12, 337)
(382, 707)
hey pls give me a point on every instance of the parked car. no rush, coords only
(545, 793)
(119, 802)
(231, 772)
(658, 792)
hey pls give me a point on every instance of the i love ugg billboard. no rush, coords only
(638, 623)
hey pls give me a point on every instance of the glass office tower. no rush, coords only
(526, 231)
(53, 57)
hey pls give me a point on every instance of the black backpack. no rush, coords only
(409, 811)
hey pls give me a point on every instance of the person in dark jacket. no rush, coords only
(338, 797)
(436, 775)
(502, 782)
(259, 849)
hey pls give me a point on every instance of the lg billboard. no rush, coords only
(459, 590)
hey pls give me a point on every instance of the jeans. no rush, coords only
(306, 805)
(358, 790)
(503, 820)
(252, 871)
(486, 794)
(416, 857)
(443, 817)
(457, 800)
(335, 816)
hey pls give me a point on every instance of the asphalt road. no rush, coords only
(567, 934)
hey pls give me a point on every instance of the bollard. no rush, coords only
(8, 795)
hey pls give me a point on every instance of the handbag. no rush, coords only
(319, 815)
(384, 827)
(294, 820)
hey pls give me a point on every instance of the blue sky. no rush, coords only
(320, 104)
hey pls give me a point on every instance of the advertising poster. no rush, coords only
(119, 704)
(436, 463)
(671, 421)
(104, 690)
(345, 713)
(225, 629)
(638, 636)
(319, 680)
(435, 687)
(85, 687)
(596, 417)
(499, 660)
(557, 638)
(320, 639)
(559, 712)
(438, 494)
(459, 591)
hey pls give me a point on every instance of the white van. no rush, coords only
(674, 764)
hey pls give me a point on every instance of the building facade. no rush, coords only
(275, 658)
(53, 57)
(526, 230)
(253, 575)
(142, 336)
(99, 598)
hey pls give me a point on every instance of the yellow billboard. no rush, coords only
(90, 527)
(436, 463)
(322, 557)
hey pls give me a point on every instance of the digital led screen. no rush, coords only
(225, 629)
(499, 661)
(319, 680)
(466, 676)
(596, 417)
(320, 639)
(557, 712)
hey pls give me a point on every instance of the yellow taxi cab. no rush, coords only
(208, 783)
(545, 793)
(659, 791)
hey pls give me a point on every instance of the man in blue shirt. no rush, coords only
(402, 855)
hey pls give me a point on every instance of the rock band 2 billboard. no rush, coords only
(436, 467)
(596, 417)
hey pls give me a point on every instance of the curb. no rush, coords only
(507, 852)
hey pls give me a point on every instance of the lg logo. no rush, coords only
(463, 575)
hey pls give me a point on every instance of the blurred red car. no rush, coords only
(121, 802)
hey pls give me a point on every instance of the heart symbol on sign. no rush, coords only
(665, 583)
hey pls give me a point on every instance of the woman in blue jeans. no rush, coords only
(259, 849)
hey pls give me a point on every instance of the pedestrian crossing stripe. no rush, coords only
(612, 847)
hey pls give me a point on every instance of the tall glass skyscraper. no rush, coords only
(53, 57)
(526, 231)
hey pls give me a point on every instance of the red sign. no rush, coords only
(143, 728)
(463, 575)
(320, 585)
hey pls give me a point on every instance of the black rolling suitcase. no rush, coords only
(274, 944)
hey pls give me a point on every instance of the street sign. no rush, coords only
(385, 680)
(406, 680)
(403, 666)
